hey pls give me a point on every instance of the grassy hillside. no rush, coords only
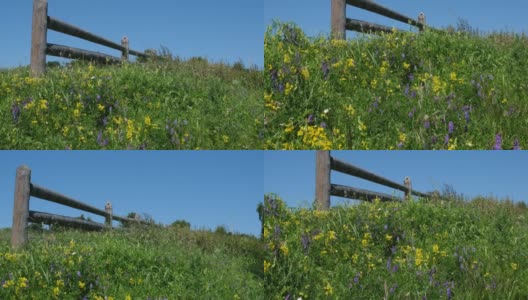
(171, 263)
(411, 250)
(168, 104)
(395, 91)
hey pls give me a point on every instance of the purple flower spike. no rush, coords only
(323, 124)
(427, 124)
(516, 145)
(498, 142)
(451, 127)
(446, 139)
(310, 119)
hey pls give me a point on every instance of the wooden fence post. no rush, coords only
(322, 179)
(338, 19)
(39, 37)
(124, 54)
(421, 20)
(19, 235)
(109, 214)
(408, 185)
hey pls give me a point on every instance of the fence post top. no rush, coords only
(23, 167)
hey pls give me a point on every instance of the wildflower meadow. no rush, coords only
(434, 90)
(421, 249)
(136, 263)
(166, 104)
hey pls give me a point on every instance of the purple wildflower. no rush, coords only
(305, 240)
(389, 261)
(498, 142)
(411, 77)
(400, 144)
(325, 68)
(393, 249)
(310, 119)
(15, 112)
(411, 113)
(395, 268)
(102, 142)
(451, 127)
(393, 288)
(427, 124)
(406, 91)
(277, 231)
(516, 145)
(449, 294)
(323, 125)
(446, 139)
(78, 273)
(287, 297)
(356, 278)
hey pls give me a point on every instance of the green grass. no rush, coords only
(167, 104)
(395, 91)
(155, 263)
(393, 250)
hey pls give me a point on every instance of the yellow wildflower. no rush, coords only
(100, 107)
(225, 138)
(328, 289)
(267, 265)
(419, 257)
(453, 76)
(350, 110)
(436, 248)
(350, 63)
(81, 285)
(287, 58)
(289, 87)
(406, 66)
(43, 104)
(514, 266)
(284, 249)
(305, 73)
(148, 121)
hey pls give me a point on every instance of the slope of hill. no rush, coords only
(390, 250)
(155, 263)
(167, 104)
(395, 91)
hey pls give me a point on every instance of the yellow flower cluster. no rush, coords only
(314, 137)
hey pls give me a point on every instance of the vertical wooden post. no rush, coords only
(19, 235)
(322, 179)
(338, 19)
(421, 20)
(38, 37)
(124, 54)
(408, 185)
(109, 214)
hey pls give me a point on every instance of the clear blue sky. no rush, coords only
(313, 16)
(291, 174)
(228, 30)
(206, 188)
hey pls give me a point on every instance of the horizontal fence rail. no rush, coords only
(324, 188)
(40, 47)
(24, 189)
(340, 23)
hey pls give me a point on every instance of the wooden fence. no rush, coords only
(40, 47)
(324, 188)
(340, 23)
(24, 189)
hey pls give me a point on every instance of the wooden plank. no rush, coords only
(384, 11)
(66, 28)
(349, 169)
(363, 26)
(75, 53)
(322, 179)
(21, 206)
(46, 218)
(38, 38)
(338, 19)
(359, 194)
